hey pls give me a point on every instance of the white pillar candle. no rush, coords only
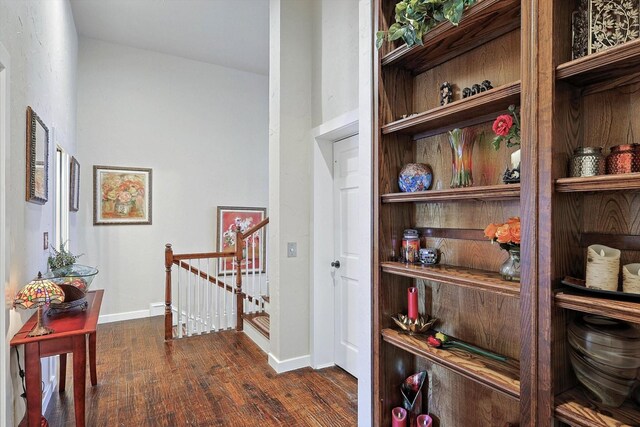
(515, 159)
(631, 278)
(603, 266)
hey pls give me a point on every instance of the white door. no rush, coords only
(345, 265)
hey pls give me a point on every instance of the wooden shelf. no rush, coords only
(617, 64)
(487, 192)
(482, 22)
(623, 310)
(627, 182)
(501, 376)
(461, 113)
(573, 408)
(481, 280)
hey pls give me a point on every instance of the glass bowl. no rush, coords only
(77, 275)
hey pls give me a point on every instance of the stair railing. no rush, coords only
(202, 300)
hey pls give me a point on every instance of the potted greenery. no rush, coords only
(415, 18)
(60, 261)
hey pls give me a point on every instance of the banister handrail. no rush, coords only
(204, 255)
(254, 229)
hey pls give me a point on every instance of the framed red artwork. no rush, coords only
(254, 251)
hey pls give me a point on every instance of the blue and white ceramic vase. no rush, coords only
(415, 177)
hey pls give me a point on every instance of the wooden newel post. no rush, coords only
(168, 313)
(238, 290)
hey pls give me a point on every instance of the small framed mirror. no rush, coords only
(37, 159)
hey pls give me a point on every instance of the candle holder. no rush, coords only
(413, 327)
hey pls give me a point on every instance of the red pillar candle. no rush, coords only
(424, 421)
(413, 303)
(399, 417)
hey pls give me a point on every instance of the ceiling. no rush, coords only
(233, 33)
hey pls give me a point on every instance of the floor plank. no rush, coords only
(220, 379)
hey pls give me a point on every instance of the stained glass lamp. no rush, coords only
(38, 293)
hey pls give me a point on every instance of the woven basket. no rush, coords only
(631, 278)
(603, 267)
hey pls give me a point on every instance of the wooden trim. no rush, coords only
(204, 255)
(621, 60)
(486, 192)
(468, 111)
(500, 376)
(626, 182)
(481, 23)
(481, 280)
(628, 311)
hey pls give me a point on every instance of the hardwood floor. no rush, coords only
(220, 379)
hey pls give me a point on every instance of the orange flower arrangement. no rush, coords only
(507, 234)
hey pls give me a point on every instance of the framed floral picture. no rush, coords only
(121, 195)
(255, 249)
(74, 185)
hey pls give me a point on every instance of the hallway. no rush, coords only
(220, 379)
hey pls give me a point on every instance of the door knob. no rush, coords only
(335, 264)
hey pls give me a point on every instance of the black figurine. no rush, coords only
(476, 89)
(466, 92)
(486, 85)
(446, 93)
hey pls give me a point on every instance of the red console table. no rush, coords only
(70, 336)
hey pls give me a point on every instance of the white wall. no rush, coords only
(41, 40)
(202, 128)
(289, 180)
(335, 57)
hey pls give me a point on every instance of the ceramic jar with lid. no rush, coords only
(624, 158)
(587, 161)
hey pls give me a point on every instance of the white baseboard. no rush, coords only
(289, 364)
(127, 315)
(255, 336)
(155, 309)
(324, 365)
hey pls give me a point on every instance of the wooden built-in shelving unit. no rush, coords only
(524, 49)
(457, 276)
(501, 376)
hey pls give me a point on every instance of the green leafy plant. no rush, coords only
(61, 258)
(415, 18)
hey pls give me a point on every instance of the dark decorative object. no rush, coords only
(587, 161)
(446, 93)
(600, 24)
(37, 159)
(461, 141)
(581, 285)
(511, 176)
(415, 177)
(412, 395)
(624, 158)
(605, 355)
(74, 185)
(429, 256)
(476, 89)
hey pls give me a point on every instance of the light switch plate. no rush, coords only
(292, 249)
(45, 240)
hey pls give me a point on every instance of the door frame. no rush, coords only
(5, 123)
(322, 243)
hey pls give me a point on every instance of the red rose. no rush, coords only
(502, 125)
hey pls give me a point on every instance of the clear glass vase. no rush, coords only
(510, 270)
(461, 141)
